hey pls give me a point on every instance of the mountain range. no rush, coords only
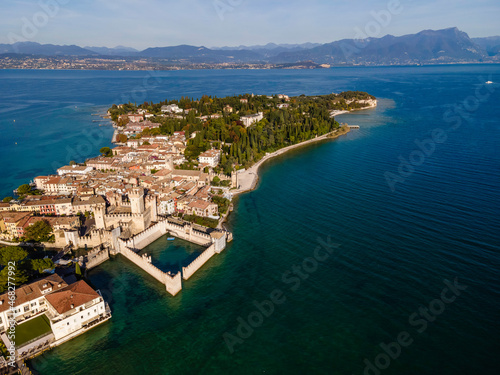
(429, 46)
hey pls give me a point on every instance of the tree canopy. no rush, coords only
(12, 254)
(106, 151)
(14, 275)
(286, 121)
(41, 231)
(42, 264)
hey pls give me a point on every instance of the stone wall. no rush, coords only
(96, 257)
(144, 264)
(147, 237)
(173, 284)
(196, 264)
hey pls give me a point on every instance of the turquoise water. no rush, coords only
(172, 255)
(389, 251)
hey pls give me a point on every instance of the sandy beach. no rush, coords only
(248, 179)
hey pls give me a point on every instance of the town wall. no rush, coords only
(96, 257)
(196, 264)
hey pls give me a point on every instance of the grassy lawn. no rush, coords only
(32, 329)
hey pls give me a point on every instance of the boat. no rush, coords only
(489, 82)
(170, 238)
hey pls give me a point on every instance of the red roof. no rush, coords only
(75, 295)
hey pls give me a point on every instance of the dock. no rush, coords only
(353, 126)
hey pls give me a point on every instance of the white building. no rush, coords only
(75, 308)
(171, 108)
(30, 300)
(166, 207)
(210, 157)
(74, 169)
(252, 119)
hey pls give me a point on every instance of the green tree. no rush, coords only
(122, 138)
(216, 181)
(7, 199)
(41, 231)
(12, 254)
(106, 151)
(78, 271)
(42, 264)
(14, 275)
(24, 189)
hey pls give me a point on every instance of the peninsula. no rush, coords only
(174, 170)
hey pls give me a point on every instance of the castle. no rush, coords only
(127, 227)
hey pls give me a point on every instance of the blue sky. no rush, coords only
(145, 23)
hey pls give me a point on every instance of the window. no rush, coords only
(33, 304)
(26, 308)
(67, 324)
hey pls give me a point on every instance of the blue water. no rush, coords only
(391, 249)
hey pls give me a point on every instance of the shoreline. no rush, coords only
(248, 180)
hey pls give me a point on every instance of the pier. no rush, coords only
(353, 126)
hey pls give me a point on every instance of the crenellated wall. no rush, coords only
(96, 257)
(196, 264)
(141, 240)
(173, 284)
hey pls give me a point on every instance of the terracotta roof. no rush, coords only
(14, 216)
(33, 291)
(72, 296)
(199, 204)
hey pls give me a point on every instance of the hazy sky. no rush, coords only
(146, 23)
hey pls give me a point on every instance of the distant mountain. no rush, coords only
(490, 44)
(270, 49)
(428, 46)
(31, 48)
(270, 46)
(200, 54)
(116, 51)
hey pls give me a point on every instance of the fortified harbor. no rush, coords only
(111, 237)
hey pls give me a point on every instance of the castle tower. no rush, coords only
(137, 200)
(151, 204)
(99, 216)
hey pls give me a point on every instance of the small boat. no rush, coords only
(489, 82)
(170, 238)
